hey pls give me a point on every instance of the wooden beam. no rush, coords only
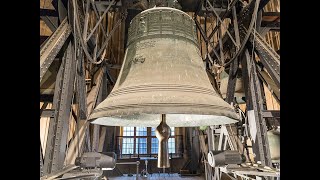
(48, 12)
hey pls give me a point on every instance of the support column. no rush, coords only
(59, 124)
(254, 102)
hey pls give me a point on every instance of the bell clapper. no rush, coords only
(163, 132)
(164, 169)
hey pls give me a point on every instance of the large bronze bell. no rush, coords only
(163, 74)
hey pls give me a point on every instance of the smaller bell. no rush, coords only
(274, 145)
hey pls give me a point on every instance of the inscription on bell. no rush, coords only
(145, 44)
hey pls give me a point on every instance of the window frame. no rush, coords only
(149, 137)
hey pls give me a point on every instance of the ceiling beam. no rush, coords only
(48, 12)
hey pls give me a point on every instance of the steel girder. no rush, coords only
(254, 102)
(268, 56)
(52, 46)
(235, 64)
(59, 124)
(81, 87)
(271, 85)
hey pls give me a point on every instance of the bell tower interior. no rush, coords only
(160, 89)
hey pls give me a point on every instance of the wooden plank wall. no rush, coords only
(46, 4)
(273, 38)
(211, 22)
(44, 29)
(116, 46)
(44, 126)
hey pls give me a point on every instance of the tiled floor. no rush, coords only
(158, 177)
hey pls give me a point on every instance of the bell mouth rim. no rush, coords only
(123, 110)
(173, 120)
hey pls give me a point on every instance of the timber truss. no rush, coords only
(74, 59)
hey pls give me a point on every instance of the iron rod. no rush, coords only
(99, 21)
(218, 17)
